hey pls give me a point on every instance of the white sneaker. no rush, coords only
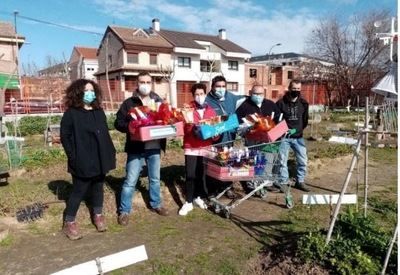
(186, 208)
(200, 203)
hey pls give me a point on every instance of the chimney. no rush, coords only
(222, 34)
(156, 24)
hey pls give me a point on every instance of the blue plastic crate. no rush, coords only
(209, 131)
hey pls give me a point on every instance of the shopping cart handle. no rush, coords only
(292, 131)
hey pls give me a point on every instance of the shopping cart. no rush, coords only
(257, 164)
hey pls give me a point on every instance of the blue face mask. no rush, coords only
(219, 92)
(89, 97)
(257, 99)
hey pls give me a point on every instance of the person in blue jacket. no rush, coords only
(224, 103)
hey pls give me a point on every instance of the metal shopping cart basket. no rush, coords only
(256, 164)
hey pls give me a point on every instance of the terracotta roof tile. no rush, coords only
(187, 40)
(127, 35)
(7, 30)
(86, 52)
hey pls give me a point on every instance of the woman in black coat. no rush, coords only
(90, 151)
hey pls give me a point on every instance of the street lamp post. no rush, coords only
(270, 49)
(269, 66)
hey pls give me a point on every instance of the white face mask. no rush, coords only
(200, 99)
(144, 89)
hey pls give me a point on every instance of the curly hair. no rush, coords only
(200, 86)
(74, 94)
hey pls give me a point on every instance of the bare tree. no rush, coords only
(168, 73)
(353, 49)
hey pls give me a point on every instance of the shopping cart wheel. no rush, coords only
(217, 209)
(289, 201)
(226, 213)
(262, 193)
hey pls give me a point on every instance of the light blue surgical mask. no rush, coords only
(89, 97)
(220, 92)
(257, 99)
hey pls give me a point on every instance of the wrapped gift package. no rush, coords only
(228, 173)
(272, 135)
(208, 131)
(157, 132)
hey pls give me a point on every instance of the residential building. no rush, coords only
(200, 57)
(83, 63)
(176, 59)
(58, 70)
(275, 72)
(10, 43)
(124, 53)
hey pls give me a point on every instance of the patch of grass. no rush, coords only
(329, 150)
(227, 267)
(36, 229)
(202, 259)
(165, 268)
(7, 241)
(385, 155)
(167, 231)
(358, 246)
(35, 158)
(114, 228)
(175, 143)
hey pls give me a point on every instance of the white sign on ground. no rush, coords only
(344, 140)
(329, 199)
(108, 263)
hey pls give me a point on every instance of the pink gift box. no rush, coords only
(157, 132)
(272, 135)
(228, 173)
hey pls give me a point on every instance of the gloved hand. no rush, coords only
(243, 129)
(292, 131)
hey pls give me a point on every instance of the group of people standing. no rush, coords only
(91, 153)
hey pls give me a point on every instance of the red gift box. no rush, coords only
(228, 173)
(272, 135)
(147, 133)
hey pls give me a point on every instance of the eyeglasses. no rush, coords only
(145, 82)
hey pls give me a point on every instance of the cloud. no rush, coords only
(248, 24)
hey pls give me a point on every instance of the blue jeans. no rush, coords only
(299, 147)
(134, 165)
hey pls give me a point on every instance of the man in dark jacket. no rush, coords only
(295, 112)
(256, 103)
(139, 151)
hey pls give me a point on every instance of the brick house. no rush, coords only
(176, 60)
(275, 72)
(83, 63)
(124, 53)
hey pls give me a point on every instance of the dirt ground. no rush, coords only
(200, 243)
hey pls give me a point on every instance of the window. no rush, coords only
(233, 65)
(133, 58)
(184, 62)
(253, 73)
(208, 66)
(232, 86)
(153, 59)
(274, 93)
(290, 74)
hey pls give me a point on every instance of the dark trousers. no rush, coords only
(92, 189)
(195, 177)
